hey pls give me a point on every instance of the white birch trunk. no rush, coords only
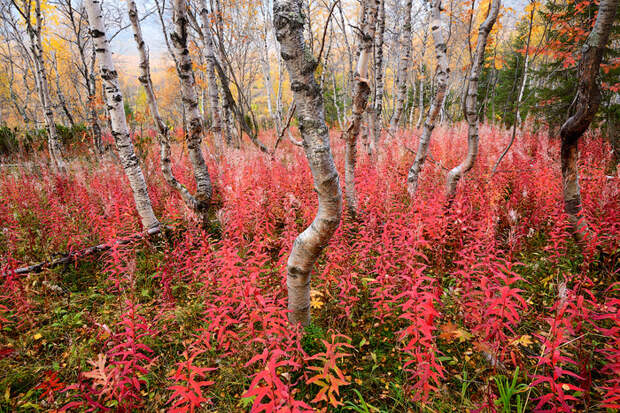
(403, 66)
(289, 24)
(421, 101)
(114, 103)
(443, 70)
(36, 44)
(360, 101)
(379, 86)
(163, 131)
(190, 102)
(209, 53)
(471, 102)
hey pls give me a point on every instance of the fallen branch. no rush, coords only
(66, 259)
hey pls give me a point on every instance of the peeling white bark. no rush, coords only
(379, 84)
(471, 102)
(190, 102)
(443, 70)
(162, 128)
(403, 67)
(209, 55)
(114, 104)
(36, 45)
(360, 101)
(289, 24)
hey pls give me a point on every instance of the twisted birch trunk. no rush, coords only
(442, 72)
(185, 72)
(403, 66)
(360, 101)
(471, 102)
(289, 24)
(114, 103)
(163, 131)
(587, 102)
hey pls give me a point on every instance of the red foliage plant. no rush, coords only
(398, 268)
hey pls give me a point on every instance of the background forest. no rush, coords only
(161, 243)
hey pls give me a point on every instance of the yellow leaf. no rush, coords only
(315, 299)
(37, 336)
(525, 340)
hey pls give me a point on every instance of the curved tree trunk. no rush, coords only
(185, 71)
(471, 101)
(289, 24)
(403, 66)
(443, 70)
(114, 102)
(163, 131)
(587, 102)
(360, 101)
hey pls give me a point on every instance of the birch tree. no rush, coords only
(403, 67)
(360, 101)
(34, 28)
(586, 104)
(289, 21)
(77, 23)
(115, 105)
(209, 54)
(442, 72)
(185, 71)
(470, 106)
(163, 131)
(377, 110)
(421, 92)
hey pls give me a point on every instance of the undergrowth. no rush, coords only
(488, 306)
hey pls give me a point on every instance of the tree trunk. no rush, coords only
(61, 96)
(378, 100)
(36, 44)
(471, 101)
(442, 72)
(289, 24)
(421, 103)
(403, 66)
(163, 131)
(414, 91)
(210, 72)
(587, 102)
(185, 71)
(93, 116)
(114, 102)
(360, 100)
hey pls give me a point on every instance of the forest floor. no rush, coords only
(487, 306)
